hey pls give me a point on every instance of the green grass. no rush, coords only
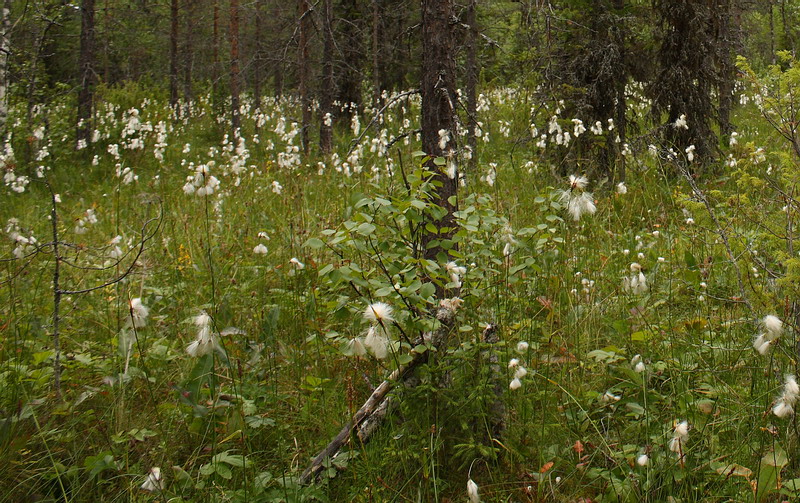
(244, 426)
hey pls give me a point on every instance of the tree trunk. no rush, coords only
(258, 60)
(326, 98)
(376, 50)
(85, 64)
(5, 48)
(277, 76)
(234, 43)
(173, 54)
(439, 112)
(188, 54)
(215, 101)
(349, 89)
(726, 68)
(302, 64)
(472, 83)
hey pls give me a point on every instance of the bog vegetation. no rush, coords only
(195, 298)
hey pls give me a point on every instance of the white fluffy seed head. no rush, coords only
(782, 409)
(521, 372)
(379, 312)
(791, 391)
(682, 430)
(642, 460)
(522, 346)
(514, 362)
(515, 384)
(773, 325)
(761, 344)
(472, 492)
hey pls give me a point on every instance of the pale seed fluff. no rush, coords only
(139, 313)
(377, 341)
(379, 312)
(513, 363)
(639, 367)
(773, 325)
(472, 492)
(522, 346)
(356, 346)
(577, 201)
(297, 263)
(515, 384)
(791, 391)
(521, 372)
(679, 437)
(153, 481)
(622, 188)
(206, 341)
(642, 460)
(761, 344)
(260, 249)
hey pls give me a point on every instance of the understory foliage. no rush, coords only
(249, 299)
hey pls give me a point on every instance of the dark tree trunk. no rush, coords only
(258, 60)
(439, 110)
(215, 58)
(302, 63)
(234, 43)
(277, 76)
(173, 54)
(349, 89)
(188, 53)
(85, 63)
(376, 54)
(326, 97)
(726, 67)
(472, 82)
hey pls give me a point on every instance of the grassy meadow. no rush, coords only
(212, 290)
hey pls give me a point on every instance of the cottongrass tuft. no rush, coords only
(139, 313)
(206, 341)
(472, 492)
(679, 437)
(377, 340)
(153, 481)
(578, 201)
(515, 384)
(379, 312)
(787, 400)
(773, 328)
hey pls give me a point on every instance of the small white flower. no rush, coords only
(639, 368)
(513, 363)
(521, 372)
(379, 312)
(515, 384)
(522, 346)
(622, 188)
(609, 397)
(260, 249)
(297, 263)
(636, 359)
(642, 460)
